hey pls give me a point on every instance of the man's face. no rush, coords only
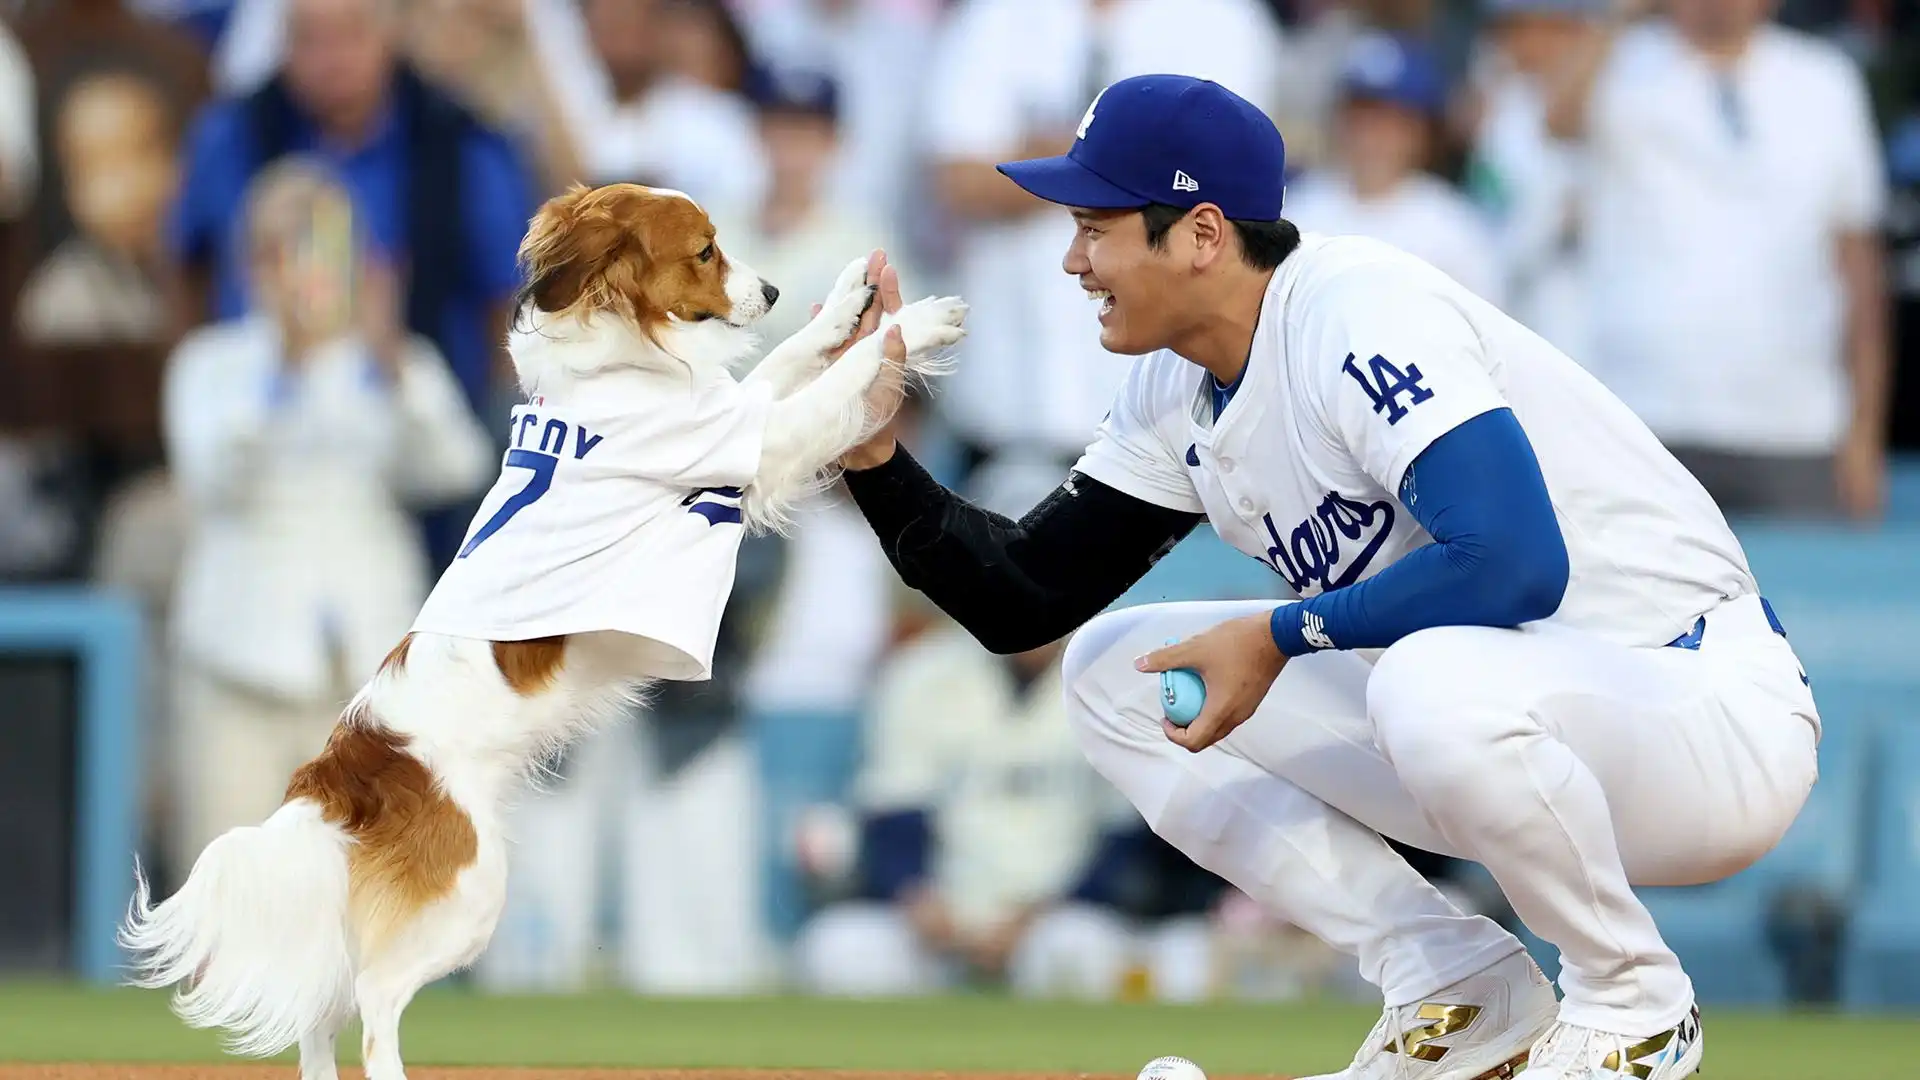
(339, 56)
(1110, 255)
(624, 34)
(1537, 44)
(117, 156)
(1719, 20)
(800, 146)
(1381, 143)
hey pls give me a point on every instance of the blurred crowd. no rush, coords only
(256, 260)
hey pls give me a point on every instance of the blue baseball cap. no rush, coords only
(1166, 139)
(1396, 70)
(793, 90)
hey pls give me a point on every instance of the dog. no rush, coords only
(598, 564)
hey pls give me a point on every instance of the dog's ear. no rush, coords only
(577, 239)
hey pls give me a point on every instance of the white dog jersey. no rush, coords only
(1363, 356)
(619, 511)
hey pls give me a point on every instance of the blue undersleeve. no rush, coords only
(1497, 559)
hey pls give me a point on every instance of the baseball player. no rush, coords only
(1525, 636)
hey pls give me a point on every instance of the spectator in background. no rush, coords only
(631, 116)
(825, 626)
(84, 329)
(1307, 94)
(1528, 181)
(444, 197)
(988, 851)
(115, 140)
(800, 236)
(876, 52)
(1739, 302)
(1013, 78)
(1392, 100)
(979, 813)
(299, 434)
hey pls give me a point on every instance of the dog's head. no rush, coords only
(643, 260)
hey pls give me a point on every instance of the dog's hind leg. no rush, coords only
(318, 1051)
(443, 937)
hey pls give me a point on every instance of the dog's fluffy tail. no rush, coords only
(258, 936)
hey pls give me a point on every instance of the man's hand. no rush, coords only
(930, 919)
(890, 386)
(990, 950)
(1237, 660)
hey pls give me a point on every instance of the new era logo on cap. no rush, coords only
(1140, 131)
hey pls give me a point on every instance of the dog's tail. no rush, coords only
(258, 936)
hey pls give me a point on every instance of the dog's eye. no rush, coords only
(706, 253)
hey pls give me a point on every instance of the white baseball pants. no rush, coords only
(1568, 766)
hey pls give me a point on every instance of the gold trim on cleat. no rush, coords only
(1507, 1069)
(1418, 1042)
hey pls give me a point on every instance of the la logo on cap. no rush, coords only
(1087, 120)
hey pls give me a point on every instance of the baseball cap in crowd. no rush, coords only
(792, 90)
(1499, 9)
(1396, 70)
(1166, 139)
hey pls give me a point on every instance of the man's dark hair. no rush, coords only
(1264, 245)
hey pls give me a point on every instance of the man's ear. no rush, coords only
(1212, 235)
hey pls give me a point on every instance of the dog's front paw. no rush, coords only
(845, 303)
(930, 327)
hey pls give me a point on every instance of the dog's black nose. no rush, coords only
(770, 293)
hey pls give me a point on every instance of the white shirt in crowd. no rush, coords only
(1718, 310)
(1363, 356)
(615, 511)
(1015, 810)
(1537, 185)
(1008, 70)
(679, 134)
(298, 488)
(1423, 216)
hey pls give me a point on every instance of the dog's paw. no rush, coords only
(840, 312)
(853, 279)
(930, 327)
(837, 319)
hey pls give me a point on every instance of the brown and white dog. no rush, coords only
(385, 868)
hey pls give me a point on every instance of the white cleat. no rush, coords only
(1576, 1053)
(1480, 1028)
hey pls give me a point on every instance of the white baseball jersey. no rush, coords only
(1363, 356)
(619, 511)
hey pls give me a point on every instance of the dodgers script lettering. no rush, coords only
(1309, 558)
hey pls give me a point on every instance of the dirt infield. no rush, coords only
(85, 1071)
(120, 1071)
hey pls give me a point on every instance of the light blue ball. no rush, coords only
(1182, 694)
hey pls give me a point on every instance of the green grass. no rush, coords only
(57, 1022)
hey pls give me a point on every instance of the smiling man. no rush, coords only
(1526, 635)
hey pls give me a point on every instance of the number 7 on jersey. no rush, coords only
(542, 466)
